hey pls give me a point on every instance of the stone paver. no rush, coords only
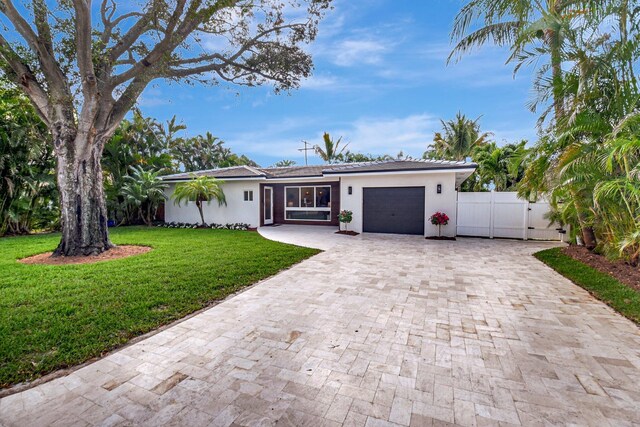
(376, 331)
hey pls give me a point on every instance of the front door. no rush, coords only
(268, 205)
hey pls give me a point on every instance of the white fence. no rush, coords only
(503, 214)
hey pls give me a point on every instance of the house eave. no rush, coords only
(290, 179)
(235, 178)
(403, 171)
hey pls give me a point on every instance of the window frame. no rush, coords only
(248, 195)
(307, 209)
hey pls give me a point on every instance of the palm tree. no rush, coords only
(528, 28)
(200, 189)
(458, 139)
(284, 163)
(145, 191)
(332, 151)
(534, 30)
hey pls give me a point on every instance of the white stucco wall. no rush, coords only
(236, 210)
(444, 202)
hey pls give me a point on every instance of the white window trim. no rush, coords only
(248, 196)
(311, 209)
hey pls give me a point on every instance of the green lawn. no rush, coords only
(620, 297)
(53, 317)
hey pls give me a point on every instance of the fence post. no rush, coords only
(491, 214)
(455, 227)
(525, 228)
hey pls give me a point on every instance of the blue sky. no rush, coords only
(380, 81)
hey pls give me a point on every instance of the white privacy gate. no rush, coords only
(503, 214)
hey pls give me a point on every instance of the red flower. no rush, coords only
(439, 218)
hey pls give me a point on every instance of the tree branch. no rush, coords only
(84, 46)
(24, 78)
(126, 101)
(107, 13)
(167, 44)
(134, 32)
(50, 67)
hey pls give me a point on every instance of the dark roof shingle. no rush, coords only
(230, 172)
(311, 171)
(398, 166)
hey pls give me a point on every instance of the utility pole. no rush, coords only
(307, 147)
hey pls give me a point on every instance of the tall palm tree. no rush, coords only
(332, 151)
(529, 28)
(532, 29)
(459, 137)
(200, 189)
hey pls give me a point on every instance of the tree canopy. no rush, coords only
(84, 65)
(584, 54)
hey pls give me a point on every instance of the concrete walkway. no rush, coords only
(311, 236)
(376, 331)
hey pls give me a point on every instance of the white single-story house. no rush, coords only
(395, 196)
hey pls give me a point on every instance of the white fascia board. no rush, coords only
(257, 178)
(318, 178)
(412, 172)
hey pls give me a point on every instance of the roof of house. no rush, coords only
(230, 172)
(383, 166)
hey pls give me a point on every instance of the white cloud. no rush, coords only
(503, 135)
(389, 135)
(278, 140)
(153, 97)
(348, 53)
(482, 68)
(320, 82)
(369, 135)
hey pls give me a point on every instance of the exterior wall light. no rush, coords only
(439, 188)
(350, 190)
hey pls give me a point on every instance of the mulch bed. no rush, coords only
(440, 238)
(347, 233)
(117, 252)
(625, 273)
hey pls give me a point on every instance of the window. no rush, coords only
(293, 197)
(311, 203)
(248, 196)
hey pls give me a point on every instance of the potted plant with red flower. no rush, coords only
(345, 217)
(439, 219)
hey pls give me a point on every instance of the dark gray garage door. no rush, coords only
(393, 210)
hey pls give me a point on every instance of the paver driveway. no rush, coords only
(375, 331)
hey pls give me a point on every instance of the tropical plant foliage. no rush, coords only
(500, 168)
(149, 145)
(331, 151)
(458, 139)
(144, 190)
(586, 92)
(141, 150)
(28, 197)
(285, 163)
(200, 189)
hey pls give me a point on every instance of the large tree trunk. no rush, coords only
(82, 202)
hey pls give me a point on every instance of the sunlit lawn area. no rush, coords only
(621, 298)
(53, 317)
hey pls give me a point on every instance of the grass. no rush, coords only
(622, 298)
(53, 317)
